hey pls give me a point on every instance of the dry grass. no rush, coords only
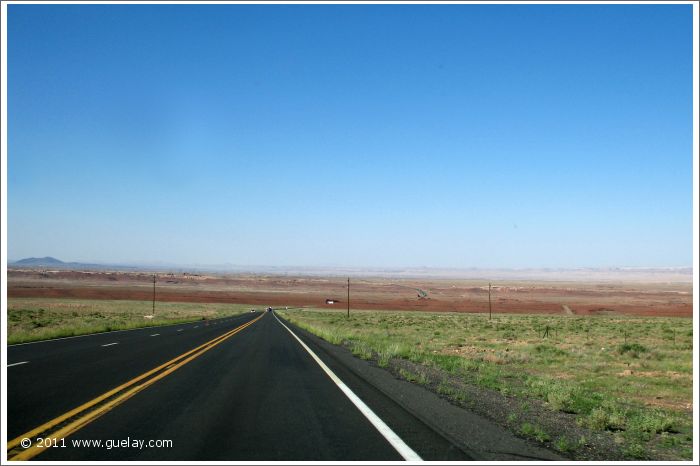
(32, 319)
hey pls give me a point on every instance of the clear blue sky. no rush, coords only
(397, 135)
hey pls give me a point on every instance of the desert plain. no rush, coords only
(667, 294)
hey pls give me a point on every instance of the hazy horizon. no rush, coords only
(390, 136)
(223, 265)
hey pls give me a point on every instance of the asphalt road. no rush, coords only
(254, 394)
(48, 378)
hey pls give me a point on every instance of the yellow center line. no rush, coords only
(48, 425)
(75, 425)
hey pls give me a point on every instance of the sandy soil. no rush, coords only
(546, 297)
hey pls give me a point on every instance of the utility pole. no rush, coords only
(348, 297)
(154, 295)
(489, 300)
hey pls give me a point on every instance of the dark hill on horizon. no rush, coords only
(52, 262)
(49, 262)
(39, 261)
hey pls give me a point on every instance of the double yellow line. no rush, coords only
(75, 419)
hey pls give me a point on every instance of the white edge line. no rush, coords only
(18, 363)
(155, 334)
(110, 344)
(399, 445)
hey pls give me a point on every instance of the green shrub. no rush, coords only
(606, 417)
(562, 396)
(636, 451)
(564, 445)
(633, 348)
(668, 440)
(549, 350)
(652, 422)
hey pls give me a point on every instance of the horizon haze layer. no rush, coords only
(645, 274)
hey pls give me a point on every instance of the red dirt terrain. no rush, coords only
(672, 299)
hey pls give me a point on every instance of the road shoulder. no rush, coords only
(474, 435)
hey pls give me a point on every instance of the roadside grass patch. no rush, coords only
(565, 445)
(418, 378)
(451, 392)
(652, 422)
(362, 350)
(534, 431)
(34, 319)
(390, 350)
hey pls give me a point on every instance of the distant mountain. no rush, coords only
(40, 262)
(53, 263)
(56, 264)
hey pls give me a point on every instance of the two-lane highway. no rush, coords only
(249, 390)
(48, 378)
